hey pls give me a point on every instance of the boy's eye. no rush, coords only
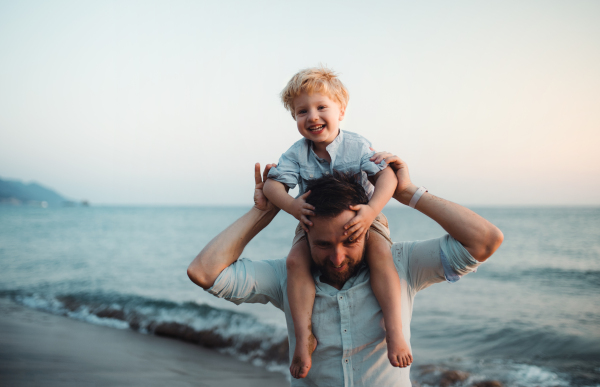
(322, 107)
(302, 111)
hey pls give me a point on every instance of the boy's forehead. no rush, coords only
(316, 96)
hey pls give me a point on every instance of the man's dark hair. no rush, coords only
(332, 194)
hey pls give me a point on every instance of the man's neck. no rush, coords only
(332, 284)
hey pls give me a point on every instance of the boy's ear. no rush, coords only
(342, 113)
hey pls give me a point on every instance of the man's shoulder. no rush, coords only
(277, 265)
(403, 251)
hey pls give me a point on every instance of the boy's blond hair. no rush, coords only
(314, 80)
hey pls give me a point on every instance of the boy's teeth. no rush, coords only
(317, 127)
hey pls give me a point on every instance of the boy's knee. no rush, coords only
(294, 261)
(377, 242)
(299, 257)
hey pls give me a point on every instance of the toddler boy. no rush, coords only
(317, 100)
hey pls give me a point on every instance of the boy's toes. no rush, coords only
(299, 369)
(303, 372)
(406, 361)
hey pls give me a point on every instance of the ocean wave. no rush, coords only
(247, 338)
(554, 277)
(235, 333)
(488, 374)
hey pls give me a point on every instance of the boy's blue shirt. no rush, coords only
(349, 152)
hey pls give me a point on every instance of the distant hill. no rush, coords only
(16, 192)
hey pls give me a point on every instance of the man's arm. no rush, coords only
(227, 247)
(480, 237)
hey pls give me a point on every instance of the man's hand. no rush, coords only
(301, 209)
(405, 187)
(260, 200)
(358, 226)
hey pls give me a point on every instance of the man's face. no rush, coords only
(332, 252)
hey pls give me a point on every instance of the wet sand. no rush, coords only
(38, 348)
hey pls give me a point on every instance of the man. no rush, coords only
(347, 319)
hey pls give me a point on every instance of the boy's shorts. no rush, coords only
(380, 226)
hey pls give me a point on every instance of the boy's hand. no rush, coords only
(359, 225)
(301, 209)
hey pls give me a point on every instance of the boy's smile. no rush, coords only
(318, 118)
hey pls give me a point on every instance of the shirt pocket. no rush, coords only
(308, 174)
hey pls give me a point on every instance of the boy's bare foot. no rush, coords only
(398, 351)
(302, 359)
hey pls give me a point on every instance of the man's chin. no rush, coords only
(332, 276)
(337, 277)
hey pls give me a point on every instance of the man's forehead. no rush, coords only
(328, 227)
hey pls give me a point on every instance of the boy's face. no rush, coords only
(318, 117)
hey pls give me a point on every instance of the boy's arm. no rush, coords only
(385, 186)
(277, 194)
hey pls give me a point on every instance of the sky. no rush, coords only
(172, 102)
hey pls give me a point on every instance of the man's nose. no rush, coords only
(337, 257)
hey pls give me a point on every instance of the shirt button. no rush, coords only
(327, 173)
(341, 297)
(346, 360)
(345, 330)
(311, 175)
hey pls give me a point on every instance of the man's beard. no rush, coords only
(339, 278)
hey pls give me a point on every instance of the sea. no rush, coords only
(530, 316)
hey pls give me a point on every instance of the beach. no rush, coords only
(100, 295)
(38, 348)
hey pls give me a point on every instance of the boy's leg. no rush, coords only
(386, 286)
(301, 297)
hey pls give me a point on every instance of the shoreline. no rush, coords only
(38, 348)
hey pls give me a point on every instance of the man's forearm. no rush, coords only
(480, 237)
(227, 247)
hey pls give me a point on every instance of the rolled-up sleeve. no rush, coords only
(247, 281)
(435, 260)
(457, 257)
(287, 170)
(366, 164)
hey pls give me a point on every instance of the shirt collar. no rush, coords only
(336, 141)
(331, 147)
